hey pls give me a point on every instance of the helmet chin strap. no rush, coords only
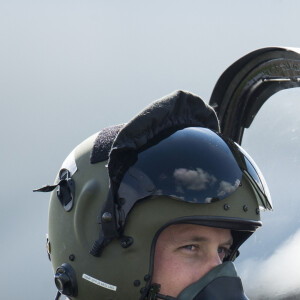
(154, 293)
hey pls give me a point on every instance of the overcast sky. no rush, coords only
(70, 68)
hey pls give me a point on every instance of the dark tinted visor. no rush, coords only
(194, 165)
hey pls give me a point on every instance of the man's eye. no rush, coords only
(189, 247)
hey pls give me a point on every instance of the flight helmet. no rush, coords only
(121, 187)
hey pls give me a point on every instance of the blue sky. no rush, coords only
(70, 68)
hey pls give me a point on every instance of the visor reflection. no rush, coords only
(193, 165)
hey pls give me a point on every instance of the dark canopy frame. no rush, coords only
(245, 86)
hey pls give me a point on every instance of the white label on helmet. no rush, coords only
(70, 163)
(99, 282)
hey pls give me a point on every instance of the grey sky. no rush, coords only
(70, 68)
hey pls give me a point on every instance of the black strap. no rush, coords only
(108, 226)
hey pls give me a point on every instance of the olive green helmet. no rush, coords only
(105, 215)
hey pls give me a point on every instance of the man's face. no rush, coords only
(184, 253)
